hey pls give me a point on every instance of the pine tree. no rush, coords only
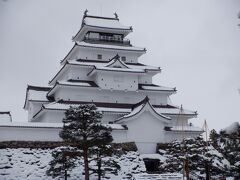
(197, 155)
(229, 146)
(82, 126)
(63, 161)
(103, 162)
(214, 137)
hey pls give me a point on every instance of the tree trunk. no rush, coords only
(65, 175)
(207, 169)
(86, 166)
(187, 169)
(65, 168)
(99, 163)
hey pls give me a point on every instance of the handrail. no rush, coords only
(108, 39)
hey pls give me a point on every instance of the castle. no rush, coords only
(102, 68)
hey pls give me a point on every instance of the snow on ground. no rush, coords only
(31, 164)
(169, 176)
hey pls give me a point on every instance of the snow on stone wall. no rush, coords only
(25, 163)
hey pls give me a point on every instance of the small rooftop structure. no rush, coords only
(5, 116)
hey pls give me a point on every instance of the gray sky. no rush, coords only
(195, 42)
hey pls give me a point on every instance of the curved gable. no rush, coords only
(142, 107)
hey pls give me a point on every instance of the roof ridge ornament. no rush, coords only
(144, 101)
(85, 13)
(117, 57)
(116, 16)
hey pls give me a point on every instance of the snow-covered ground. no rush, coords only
(32, 164)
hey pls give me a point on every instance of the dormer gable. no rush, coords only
(115, 62)
(139, 109)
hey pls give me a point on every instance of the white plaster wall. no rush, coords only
(145, 79)
(77, 72)
(51, 116)
(91, 54)
(64, 76)
(111, 96)
(119, 136)
(117, 81)
(109, 117)
(29, 134)
(34, 107)
(146, 130)
(45, 134)
(182, 121)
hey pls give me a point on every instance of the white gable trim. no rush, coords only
(141, 109)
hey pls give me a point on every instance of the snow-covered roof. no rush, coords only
(111, 47)
(5, 116)
(36, 93)
(175, 111)
(50, 125)
(233, 128)
(138, 68)
(117, 126)
(116, 65)
(89, 62)
(101, 64)
(104, 22)
(105, 47)
(154, 87)
(115, 69)
(184, 128)
(73, 83)
(31, 125)
(65, 106)
(101, 24)
(123, 109)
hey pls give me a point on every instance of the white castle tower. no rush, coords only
(103, 68)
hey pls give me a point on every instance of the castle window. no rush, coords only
(99, 56)
(123, 58)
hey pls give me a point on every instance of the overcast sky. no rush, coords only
(195, 42)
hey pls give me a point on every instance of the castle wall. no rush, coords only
(34, 107)
(45, 134)
(108, 96)
(117, 81)
(145, 79)
(92, 54)
(146, 131)
(29, 134)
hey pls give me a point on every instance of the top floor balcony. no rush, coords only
(108, 40)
